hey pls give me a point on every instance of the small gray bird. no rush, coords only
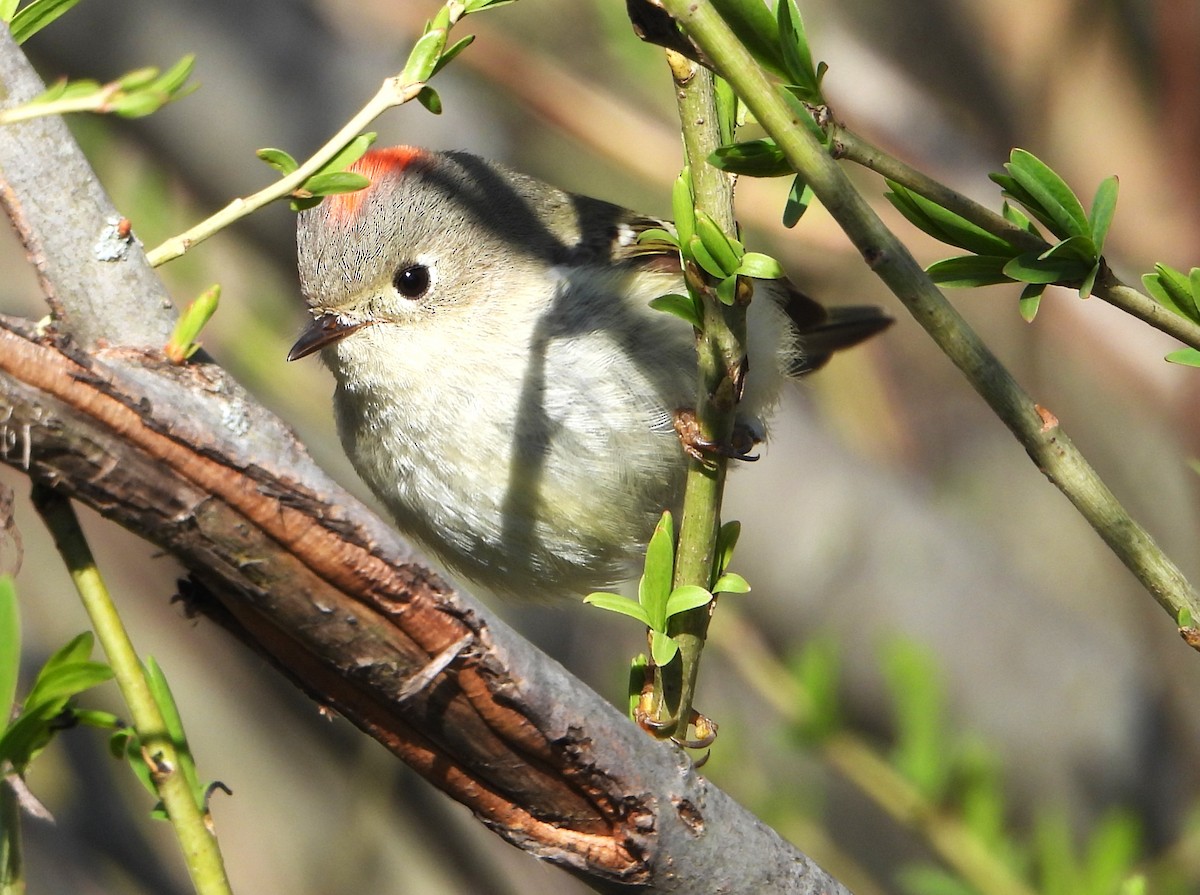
(503, 385)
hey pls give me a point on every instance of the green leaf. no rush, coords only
(698, 252)
(182, 343)
(36, 16)
(1014, 215)
(424, 57)
(7, 8)
(727, 290)
(1063, 212)
(160, 689)
(654, 588)
(658, 235)
(138, 78)
(10, 647)
(731, 583)
(348, 154)
(336, 182)
(279, 160)
(683, 207)
(682, 306)
(1031, 268)
(456, 48)
(724, 251)
(752, 158)
(1031, 299)
(65, 680)
(1089, 281)
(140, 104)
(662, 648)
(1184, 618)
(637, 678)
(176, 76)
(969, 271)
(945, 225)
(687, 597)
(760, 266)
(1103, 207)
(800, 196)
(1076, 248)
(797, 57)
(727, 538)
(617, 603)
(1174, 290)
(430, 99)
(1189, 357)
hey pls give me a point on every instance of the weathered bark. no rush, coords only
(304, 573)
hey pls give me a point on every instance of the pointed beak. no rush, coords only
(322, 332)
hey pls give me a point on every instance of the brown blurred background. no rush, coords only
(890, 504)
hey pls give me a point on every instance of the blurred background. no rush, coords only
(891, 507)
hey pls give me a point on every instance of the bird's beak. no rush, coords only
(323, 331)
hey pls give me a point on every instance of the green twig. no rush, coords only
(719, 349)
(394, 92)
(849, 145)
(199, 845)
(12, 868)
(1036, 428)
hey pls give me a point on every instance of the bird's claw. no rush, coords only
(739, 446)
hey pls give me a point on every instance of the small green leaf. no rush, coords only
(1031, 268)
(430, 99)
(1014, 215)
(731, 583)
(456, 48)
(1031, 299)
(137, 78)
(654, 588)
(1051, 196)
(800, 196)
(682, 306)
(10, 647)
(182, 343)
(36, 16)
(687, 597)
(7, 8)
(1184, 618)
(65, 680)
(969, 271)
(140, 104)
(723, 250)
(637, 678)
(727, 291)
(945, 225)
(683, 207)
(618, 603)
(662, 648)
(279, 160)
(1089, 281)
(176, 76)
(1173, 290)
(797, 57)
(752, 158)
(1188, 357)
(760, 266)
(657, 235)
(336, 182)
(348, 154)
(424, 57)
(160, 689)
(699, 253)
(1076, 248)
(1103, 207)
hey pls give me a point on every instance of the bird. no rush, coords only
(503, 385)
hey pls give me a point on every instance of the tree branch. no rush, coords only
(306, 574)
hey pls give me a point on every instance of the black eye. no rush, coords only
(411, 282)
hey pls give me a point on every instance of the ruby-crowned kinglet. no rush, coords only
(503, 385)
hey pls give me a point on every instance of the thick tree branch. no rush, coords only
(308, 576)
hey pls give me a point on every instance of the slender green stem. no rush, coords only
(12, 868)
(393, 93)
(849, 145)
(199, 845)
(1035, 427)
(100, 101)
(720, 353)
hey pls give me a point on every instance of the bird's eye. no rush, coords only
(412, 281)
